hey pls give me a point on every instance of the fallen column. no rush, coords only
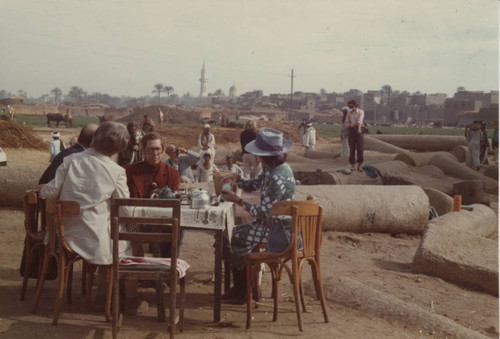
(399, 173)
(381, 146)
(366, 208)
(420, 159)
(461, 171)
(15, 181)
(352, 293)
(460, 152)
(453, 248)
(423, 143)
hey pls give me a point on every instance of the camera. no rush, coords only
(176, 151)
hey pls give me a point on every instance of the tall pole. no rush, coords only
(291, 94)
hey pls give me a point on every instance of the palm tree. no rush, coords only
(168, 90)
(158, 88)
(57, 94)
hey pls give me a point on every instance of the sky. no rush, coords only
(125, 47)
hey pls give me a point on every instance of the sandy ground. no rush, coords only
(378, 260)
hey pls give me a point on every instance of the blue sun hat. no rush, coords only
(269, 142)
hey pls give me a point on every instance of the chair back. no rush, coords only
(32, 208)
(119, 206)
(54, 212)
(306, 220)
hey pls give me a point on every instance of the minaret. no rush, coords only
(203, 82)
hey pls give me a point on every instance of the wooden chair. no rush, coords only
(34, 237)
(58, 249)
(158, 273)
(306, 220)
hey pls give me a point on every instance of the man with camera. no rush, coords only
(182, 160)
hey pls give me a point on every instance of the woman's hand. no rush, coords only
(230, 196)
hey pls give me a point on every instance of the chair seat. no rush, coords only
(151, 264)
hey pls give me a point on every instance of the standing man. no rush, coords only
(309, 139)
(182, 160)
(206, 142)
(147, 125)
(83, 142)
(485, 145)
(145, 176)
(251, 166)
(56, 145)
(354, 122)
(161, 116)
(344, 134)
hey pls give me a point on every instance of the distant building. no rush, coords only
(232, 91)
(203, 82)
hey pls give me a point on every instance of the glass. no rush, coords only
(153, 150)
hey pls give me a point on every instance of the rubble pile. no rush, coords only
(16, 135)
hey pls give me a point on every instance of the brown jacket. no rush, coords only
(140, 185)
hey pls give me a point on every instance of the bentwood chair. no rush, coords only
(306, 221)
(58, 249)
(33, 241)
(140, 268)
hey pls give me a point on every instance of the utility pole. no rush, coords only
(291, 94)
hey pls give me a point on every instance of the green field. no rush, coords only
(41, 120)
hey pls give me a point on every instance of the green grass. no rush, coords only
(41, 120)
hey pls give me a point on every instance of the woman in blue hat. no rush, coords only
(277, 183)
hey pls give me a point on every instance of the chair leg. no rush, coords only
(60, 287)
(90, 282)
(84, 277)
(173, 296)
(297, 301)
(160, 302)
(302, 298)
(41, 280)
(116, 306)
(276, 293)
(319, 289)
(182, 303)
(69, 284)
(109, 292)
(249, 283)
(27, 264)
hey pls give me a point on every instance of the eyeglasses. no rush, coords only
(153, 150)
(351, 106)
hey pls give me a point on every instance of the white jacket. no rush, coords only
(91, 179)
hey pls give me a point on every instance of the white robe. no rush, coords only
(91, 179)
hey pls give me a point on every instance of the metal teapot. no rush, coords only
(200, 199)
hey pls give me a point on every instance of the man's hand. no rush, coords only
(39, 188)
(182, 150)
(135, 148)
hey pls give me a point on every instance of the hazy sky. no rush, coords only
(125, 47)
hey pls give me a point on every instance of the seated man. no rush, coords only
(182, 160)
(83, 142)
(231, 167)
(206, 142)
(145, 176)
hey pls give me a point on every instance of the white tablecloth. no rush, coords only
(212, 218)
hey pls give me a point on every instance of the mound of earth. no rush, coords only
(174, 115)
(16, 135)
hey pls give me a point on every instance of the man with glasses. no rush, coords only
(354, 123)
(145, 176)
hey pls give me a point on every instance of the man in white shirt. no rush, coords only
(309, 139)
(354, 123)
(206, 142)
(55, 146)
(231, 167)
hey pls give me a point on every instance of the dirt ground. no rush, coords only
(380, 261)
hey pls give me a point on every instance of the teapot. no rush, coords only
(200, 199)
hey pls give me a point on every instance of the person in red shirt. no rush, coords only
(145, 176)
